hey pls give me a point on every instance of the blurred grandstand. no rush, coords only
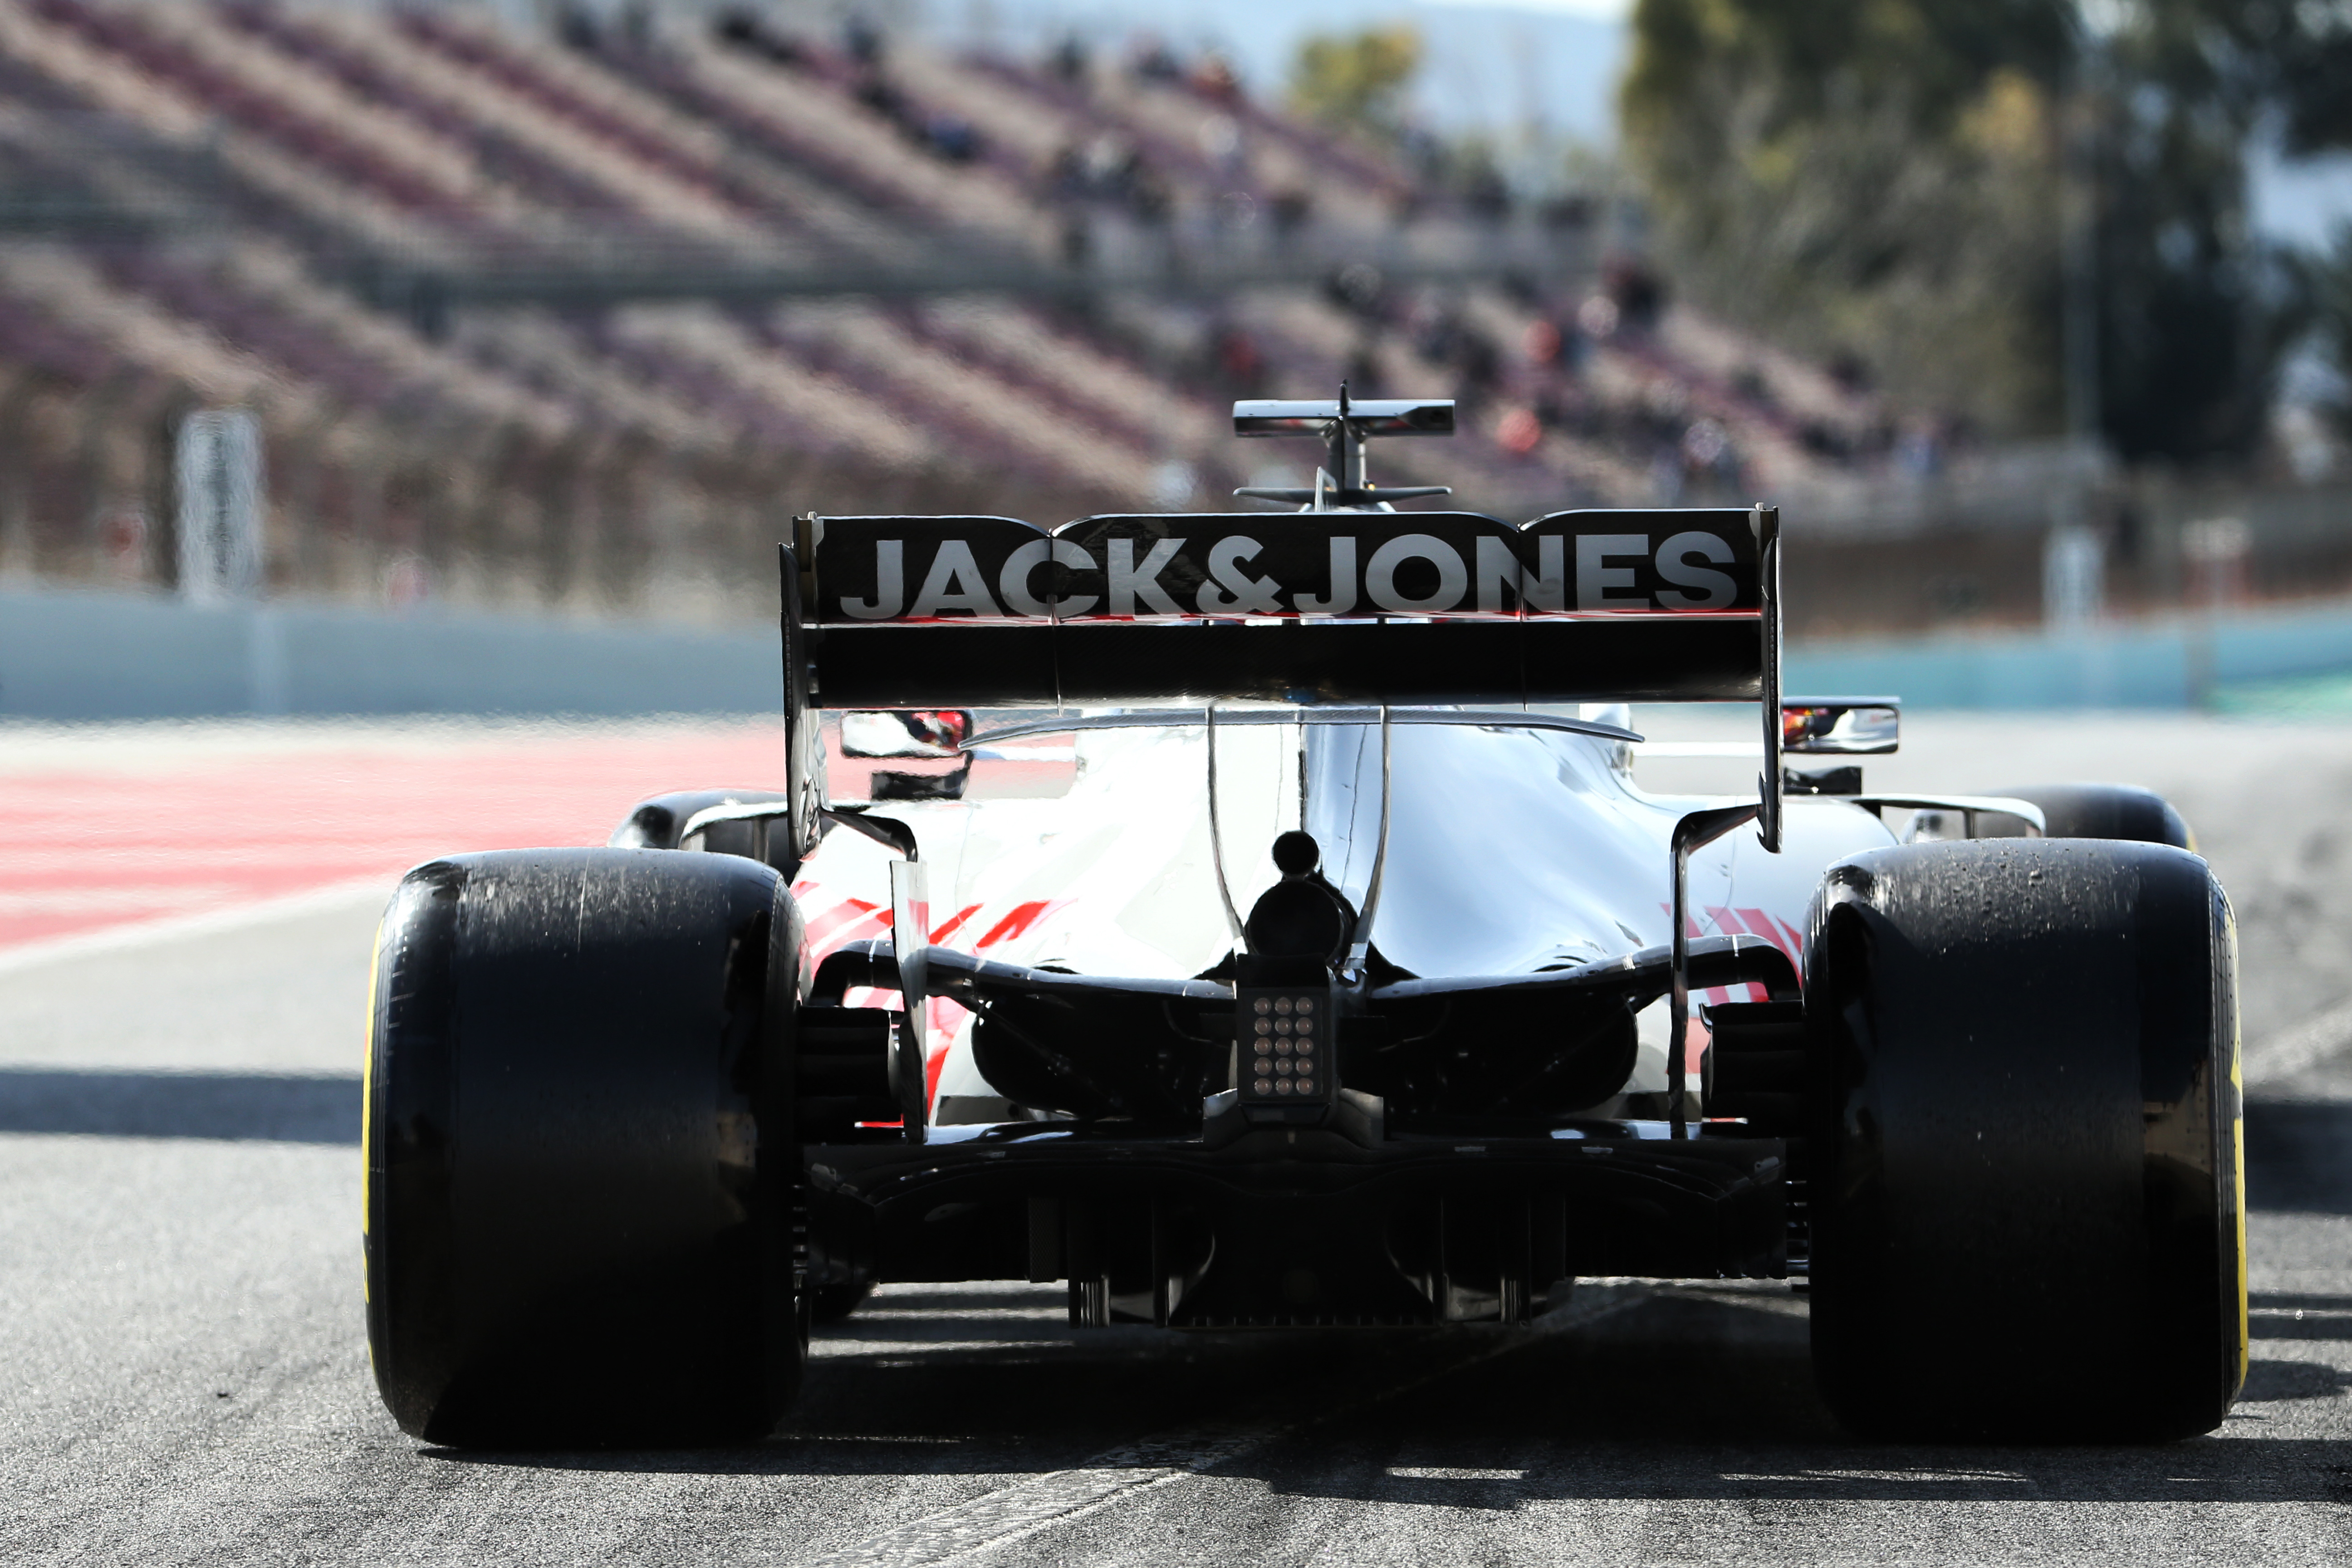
(579, 317)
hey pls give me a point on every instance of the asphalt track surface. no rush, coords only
(183, 1377)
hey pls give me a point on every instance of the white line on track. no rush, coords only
(174, 927)
(1012, 1513)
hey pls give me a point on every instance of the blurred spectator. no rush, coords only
(577, 26)
(1444, 336)
(1153, 60)
(1359, 288)
(876, 92)
(1554, 412)
(952, 137)
(1221, 145)
(1149, 197)
(745, 30)
(1519, 433)
(1212, 78)
(1541, 343)
(1102, 167)
(1480, 363)
(1240, 366)
(1289, 211)
(1637, 291)
(1709, 456)
(122, 534)
(1823, 440)
(1479, 179)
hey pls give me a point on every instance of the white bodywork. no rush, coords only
(1511, 851)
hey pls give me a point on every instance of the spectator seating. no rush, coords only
(286, 162)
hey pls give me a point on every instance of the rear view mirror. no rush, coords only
(1850, 727)
(937, 732)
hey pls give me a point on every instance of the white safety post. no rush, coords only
(217, 467)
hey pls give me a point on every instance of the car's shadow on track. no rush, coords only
(1696, 1392)
(2298, 1152)
(279, 1107)
(1696, 1398)
(2299, 1155)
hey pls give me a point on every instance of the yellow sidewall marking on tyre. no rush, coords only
(367, 1115)
(2238, 1158)
(2237, 1139)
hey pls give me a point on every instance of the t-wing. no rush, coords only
(1343, 426)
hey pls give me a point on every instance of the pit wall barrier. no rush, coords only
(69, 654)
(2172, 662)
(78, 654)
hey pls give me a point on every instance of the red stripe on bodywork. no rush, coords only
(1795, 948)
(1779, 933)
(1023, 917)
(828, 930)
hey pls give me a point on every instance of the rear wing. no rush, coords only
(1355, 608)
(1358, 607)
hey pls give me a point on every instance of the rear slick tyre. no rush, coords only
(2026, 1137)
(2106, 811)
(580, 1164)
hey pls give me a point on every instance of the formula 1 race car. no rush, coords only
(1294, 947)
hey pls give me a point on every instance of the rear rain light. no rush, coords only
(1285, 1046)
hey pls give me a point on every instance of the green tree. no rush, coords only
(2327, 289)
(1867, 177)
(1889, 177)
(2192, 319)
(2314, 65)
(1356, 79)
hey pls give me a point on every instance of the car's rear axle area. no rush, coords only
(1300, 1226)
